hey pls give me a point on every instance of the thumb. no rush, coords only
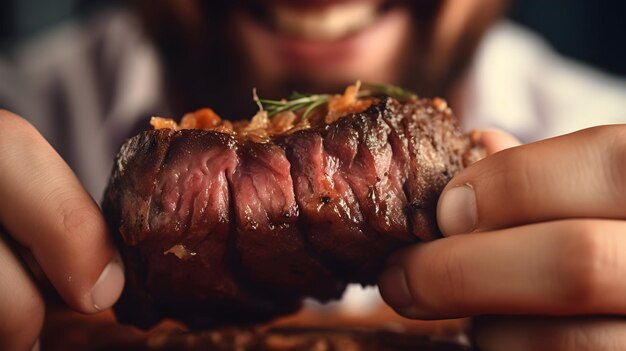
(457, 203)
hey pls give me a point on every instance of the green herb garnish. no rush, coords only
(309, 102)
(294, 103)
(373, 89)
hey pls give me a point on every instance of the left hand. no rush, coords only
(548, 238)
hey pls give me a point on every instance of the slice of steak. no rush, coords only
(343, 187)
(271, 250)
(216, 228)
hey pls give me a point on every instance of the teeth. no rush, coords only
(330, 23)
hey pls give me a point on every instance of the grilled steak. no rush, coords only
(216, 228)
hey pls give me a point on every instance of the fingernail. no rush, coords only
(456, 213)
(37, 346)
(109, 285)
(394, 289)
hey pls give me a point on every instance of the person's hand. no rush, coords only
(44, 209)
(548, 238)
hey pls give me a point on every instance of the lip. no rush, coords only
(311, 4)
(301, 52)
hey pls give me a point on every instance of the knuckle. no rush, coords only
(584, 262)
(616, 162)
(446, 284)
(519, 184)
(513, 170)
(453, 282)
(78, 217)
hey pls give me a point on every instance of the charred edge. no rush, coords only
(399, 135)
(135, 305)
(149, 310)
(172, 136)
(363, 123)
(264, 306)
(231, 255)
(346, 272)
(354, 121)
(413, 204)
(326, 261)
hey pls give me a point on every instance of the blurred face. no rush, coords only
(320, 45)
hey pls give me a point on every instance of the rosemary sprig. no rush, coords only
(294, 103)
(372, 89)
(309, 102)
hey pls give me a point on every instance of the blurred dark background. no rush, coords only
(591, 31)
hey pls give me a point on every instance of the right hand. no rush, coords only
(44, 209)
(533, 245)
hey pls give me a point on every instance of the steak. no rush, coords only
(216, 229)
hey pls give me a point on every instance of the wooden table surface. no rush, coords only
(320, 329)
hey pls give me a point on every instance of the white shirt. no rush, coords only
(519, 84)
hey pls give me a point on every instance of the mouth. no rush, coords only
(324, 43)
(325, 22)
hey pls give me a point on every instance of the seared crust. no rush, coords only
(216, 229)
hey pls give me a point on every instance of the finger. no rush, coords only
(577, 175)
(555, 334)
(45, 208)
(495, 140)
(566, 267)
(21, 305)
